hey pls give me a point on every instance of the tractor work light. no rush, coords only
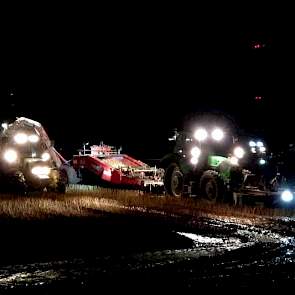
(196, 152)
(21, 138)
(194, 160)
(201, 134)
(234, 161)
(287, 196)
(239, 152)
(4, 126)
(45, 156)
(262, 162)
(41, 171)
(252, 144)
(33, 138)
(259, 144)
(262, 149)
(10, 156)
(217, 134)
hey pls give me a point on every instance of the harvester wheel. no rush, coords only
(173, 180)
(62, 182)
(20, 184)
(59, 182)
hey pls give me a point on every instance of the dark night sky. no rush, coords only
(129, 78)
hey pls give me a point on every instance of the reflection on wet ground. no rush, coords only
(215, 253)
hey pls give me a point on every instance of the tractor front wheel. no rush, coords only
(173, 180)
(211, 189)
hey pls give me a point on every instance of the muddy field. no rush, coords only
(133, 252)
(112, 250)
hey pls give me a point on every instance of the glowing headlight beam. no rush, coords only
(287, 196)
(33, 138)
(196, 152)
(45, 156)
(4, 126)
(10, 156)
(262, 162)
(262, 149)
(217, 134)
(201, 134)
(21, 138)
(40, 170)
(194, 160)
(239, 152)
(234, 161)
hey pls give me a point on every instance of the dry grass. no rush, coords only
(96, 202)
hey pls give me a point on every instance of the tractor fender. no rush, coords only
(169, 159)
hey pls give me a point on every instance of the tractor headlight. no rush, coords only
(45, 156)
(194, 160)
(262, 149)
(217, 134)
(287, 196)
(33, 138)
(262, 162)
(259, 144)
(239, 152)
(10, 156)
(41, 171)
(21, 138)
(4, 126)
(196, 152)
(234, 161)
(201, 134)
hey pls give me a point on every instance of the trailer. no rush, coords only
(107, 166)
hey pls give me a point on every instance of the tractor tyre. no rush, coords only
(173, 180)
(211, 188)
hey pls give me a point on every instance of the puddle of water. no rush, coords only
(201, 239)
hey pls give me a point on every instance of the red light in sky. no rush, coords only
(257, 45)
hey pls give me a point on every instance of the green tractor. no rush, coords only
(206, 163)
